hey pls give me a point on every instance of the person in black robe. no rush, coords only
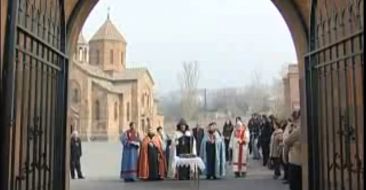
(167, 151)
(75, 155)
(226, 132)
(185, 145)
(153, 161)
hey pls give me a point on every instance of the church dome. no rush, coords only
(108, 32)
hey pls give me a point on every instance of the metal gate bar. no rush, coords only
(36, 79)
(334, 75)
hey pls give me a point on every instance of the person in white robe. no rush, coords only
(239, 142)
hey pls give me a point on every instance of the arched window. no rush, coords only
(122, 58)
(97, 57)
(85, 54)
(148, 100)
(80, 53)
(115, 111)
(143, 125)
(128, 111)
(143, 100)
(111, 56)
(76, 95)
(97, 110)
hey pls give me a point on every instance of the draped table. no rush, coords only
(195, 164)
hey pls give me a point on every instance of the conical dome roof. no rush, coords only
(81, 39)
(108, 32)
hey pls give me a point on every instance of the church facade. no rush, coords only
(105, 95)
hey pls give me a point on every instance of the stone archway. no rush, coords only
(294, 12)
(75, 13)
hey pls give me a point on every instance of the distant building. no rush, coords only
(291, 88)
(106, 96)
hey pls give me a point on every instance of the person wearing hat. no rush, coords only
(239, 144)
(183, 144)
(213, 152)
(152, 163)
(131, 143)
(75, 155)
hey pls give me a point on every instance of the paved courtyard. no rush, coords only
(101, 165)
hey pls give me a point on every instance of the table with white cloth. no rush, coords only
(195, 164)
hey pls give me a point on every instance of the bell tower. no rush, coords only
(108, 48)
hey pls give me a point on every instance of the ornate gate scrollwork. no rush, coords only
(334, 82)
(36, 78)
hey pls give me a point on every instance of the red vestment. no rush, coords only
(143, 164)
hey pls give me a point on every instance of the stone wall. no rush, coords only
(291, 88)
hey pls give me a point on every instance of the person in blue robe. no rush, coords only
(131, 143)
(213, 153)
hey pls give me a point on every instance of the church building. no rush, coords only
(105, 95)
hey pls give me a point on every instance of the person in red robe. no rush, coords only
(152, 163)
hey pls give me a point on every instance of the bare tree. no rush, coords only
(188, 80)
(278, 105)
(256, 94)
(170, 106)
(230, 102)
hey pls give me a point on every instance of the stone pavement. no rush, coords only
(101, 163)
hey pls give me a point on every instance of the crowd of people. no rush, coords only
(279, 141)
(154, 156)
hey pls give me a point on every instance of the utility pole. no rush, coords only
(205, 99)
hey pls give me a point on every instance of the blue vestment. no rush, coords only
(130, 152)
(220, 157)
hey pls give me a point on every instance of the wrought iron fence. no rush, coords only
(334, 71)
(36, 88)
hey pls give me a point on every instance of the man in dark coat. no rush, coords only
(265, 138)
(75, 155)
(198, 134)
(254, 135)
(227, 130)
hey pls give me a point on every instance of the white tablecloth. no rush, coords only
(195, 162)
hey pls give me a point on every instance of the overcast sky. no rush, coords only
(230, 39)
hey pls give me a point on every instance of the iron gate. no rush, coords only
(335, 79)
(35, 87)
